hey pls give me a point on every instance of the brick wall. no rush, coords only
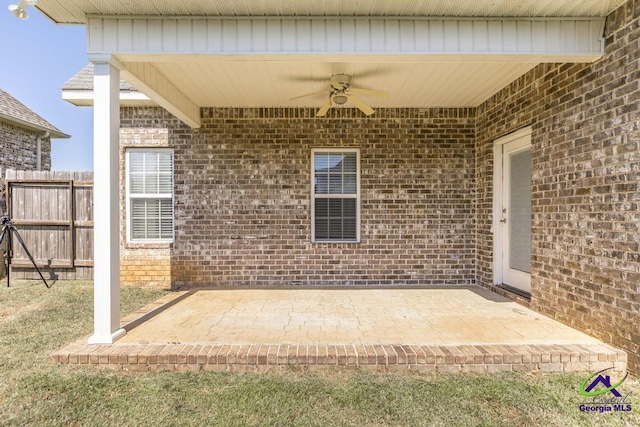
(145, 264)
(18, 148)
(586, 185)
(242, 197)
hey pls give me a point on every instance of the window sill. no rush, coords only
(335, 242)
(149, 244)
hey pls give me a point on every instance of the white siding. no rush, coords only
(572, 39)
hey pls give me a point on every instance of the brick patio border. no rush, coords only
(382, 357)
(269, 357)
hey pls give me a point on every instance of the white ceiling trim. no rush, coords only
(85, 98)
(148, 80)
(574, 40)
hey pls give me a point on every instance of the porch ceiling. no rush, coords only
(76, 11)
(234, 83)
(242, 53)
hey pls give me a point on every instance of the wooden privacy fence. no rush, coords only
(53, 212)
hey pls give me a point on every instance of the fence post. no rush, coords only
(3, 245)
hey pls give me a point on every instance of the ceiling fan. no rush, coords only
(342, 92)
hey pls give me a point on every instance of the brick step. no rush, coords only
(271, 357)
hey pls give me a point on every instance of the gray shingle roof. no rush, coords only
(14, 111)
(83, 80)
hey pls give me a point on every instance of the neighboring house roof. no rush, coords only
(78, 90)
(14, 111)
(83, 80)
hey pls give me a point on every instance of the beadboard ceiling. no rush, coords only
(251, 81)
(410, 84)
(76, 11)
(268, 84)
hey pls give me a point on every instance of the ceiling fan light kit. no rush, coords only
(341, 92)
(339, 98)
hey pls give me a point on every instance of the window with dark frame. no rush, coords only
(336, 216)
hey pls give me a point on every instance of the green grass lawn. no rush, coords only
(35, 321)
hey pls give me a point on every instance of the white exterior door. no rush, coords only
(513, 213)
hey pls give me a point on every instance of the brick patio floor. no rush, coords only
(446, 329)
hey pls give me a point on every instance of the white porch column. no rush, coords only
(106, 200)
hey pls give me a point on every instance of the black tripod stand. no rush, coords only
(8, 229)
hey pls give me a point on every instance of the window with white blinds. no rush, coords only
(150, 194)
(336, 195)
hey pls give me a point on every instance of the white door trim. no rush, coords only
(496, 228)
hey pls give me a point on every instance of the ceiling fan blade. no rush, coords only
(308, 94)
(362, 106)
(307, 79)
(323, 110)
(368, 92)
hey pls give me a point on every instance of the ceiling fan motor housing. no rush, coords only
(340, 83)
(343, 80)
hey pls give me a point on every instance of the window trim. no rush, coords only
(335, 196)
(129, 197)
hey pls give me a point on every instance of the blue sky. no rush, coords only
(36, 58)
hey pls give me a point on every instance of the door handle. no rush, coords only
(503, 220)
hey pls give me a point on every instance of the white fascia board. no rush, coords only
(85, 97)
(559, 39)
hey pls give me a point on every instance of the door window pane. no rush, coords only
(520, 216)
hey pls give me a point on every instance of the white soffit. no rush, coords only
(245, 83)
(76, 11)
(273, 83)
